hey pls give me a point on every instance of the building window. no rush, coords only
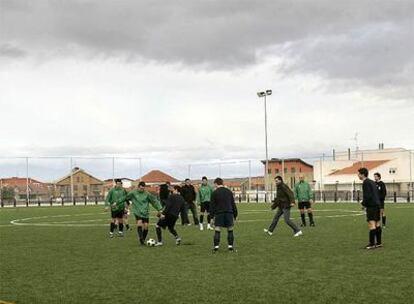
(300, 169)
(293, 170)
(392, 170)
(75, 188)
(285, 170)
(77, 179)
(276, 171)
(269, 171)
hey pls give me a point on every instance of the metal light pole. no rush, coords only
(72, 196)
(113, 171)
(250, 175)
(411, 175)
(27, 181)
(140, 168)
(266, 176)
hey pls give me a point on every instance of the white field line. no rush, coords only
(84, 223)
(314, 210)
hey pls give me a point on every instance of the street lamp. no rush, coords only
(263, 94)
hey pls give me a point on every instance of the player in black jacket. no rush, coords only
(164, 192)
(382, 190)
(189, 194)
(173, 206)
(371, 202)
(224, 211)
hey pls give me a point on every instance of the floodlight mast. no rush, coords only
(263, 94)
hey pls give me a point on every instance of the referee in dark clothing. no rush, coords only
(371, 202)
(224, 211)
(382, 190)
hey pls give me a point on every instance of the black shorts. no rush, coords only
(373, 214)
(382, 205)
(143, 219)
(117, 214)
(169, 221)
(224, 220)
(205, 207)
(303, 205)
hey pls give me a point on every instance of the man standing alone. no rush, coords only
(303, 194)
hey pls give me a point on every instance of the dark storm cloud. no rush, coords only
(10, 51)
(364, 43)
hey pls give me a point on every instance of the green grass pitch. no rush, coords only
(64, 255)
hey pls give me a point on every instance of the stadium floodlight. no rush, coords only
(266, 175)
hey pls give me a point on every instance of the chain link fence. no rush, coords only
(79, 180)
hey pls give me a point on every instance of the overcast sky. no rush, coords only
(175, 82)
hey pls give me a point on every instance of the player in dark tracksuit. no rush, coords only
(371, 202)
(164, 192)
(224, 211)
(283, 201)
(382, 190)
(173, 206)
(189, 194)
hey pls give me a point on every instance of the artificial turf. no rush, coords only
(64, 255)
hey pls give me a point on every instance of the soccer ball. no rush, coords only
(151, 243)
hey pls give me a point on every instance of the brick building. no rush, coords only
(290, 169)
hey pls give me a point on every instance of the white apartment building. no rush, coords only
(339, 172)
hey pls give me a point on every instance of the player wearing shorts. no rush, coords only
(115, 200)
(303, 195)
(173, 206)
(224, 211)
(371, 202)
(140, 202)
(204, 197)
(382, 190)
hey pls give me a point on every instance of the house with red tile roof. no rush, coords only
(369, 164)
(158, 177)
(154, 179)
(20, 186)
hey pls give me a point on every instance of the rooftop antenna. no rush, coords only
(355, 138)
